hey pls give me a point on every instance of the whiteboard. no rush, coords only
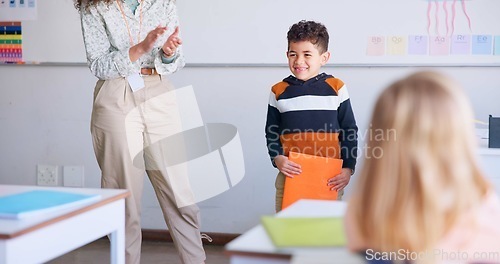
(56, 36)
(254, 32)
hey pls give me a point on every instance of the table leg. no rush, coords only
(117, 241)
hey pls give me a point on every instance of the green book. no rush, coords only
(305, 232)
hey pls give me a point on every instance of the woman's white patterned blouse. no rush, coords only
(107, 40)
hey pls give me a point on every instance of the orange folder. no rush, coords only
(312, 182)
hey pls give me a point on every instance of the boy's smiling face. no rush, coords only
(305, 60)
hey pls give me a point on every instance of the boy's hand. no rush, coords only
(340, 181)
(286, 166)
(172, 43)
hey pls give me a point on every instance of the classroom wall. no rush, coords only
(256, 30)
(45, 116)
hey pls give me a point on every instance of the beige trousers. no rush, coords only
(280, 187)
(123, 125)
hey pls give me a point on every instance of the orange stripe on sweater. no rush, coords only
(321, 144)
(335, 83)
(279, 88)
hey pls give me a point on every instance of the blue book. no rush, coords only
(32, 203)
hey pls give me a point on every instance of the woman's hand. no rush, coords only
(287, 167)
(147, 44)
(173, 42)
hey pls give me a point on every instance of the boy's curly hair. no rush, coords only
(311, 31)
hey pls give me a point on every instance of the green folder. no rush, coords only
(305, 232)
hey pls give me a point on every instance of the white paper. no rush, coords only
(18, 10)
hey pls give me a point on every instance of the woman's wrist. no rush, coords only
(165, 59)
(136, 51)
(167, 55)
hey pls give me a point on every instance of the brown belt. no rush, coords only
(148, 71)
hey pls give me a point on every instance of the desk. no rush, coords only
(490, 160)
(256, 247)
(39, 239)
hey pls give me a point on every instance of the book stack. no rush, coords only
(11, 50)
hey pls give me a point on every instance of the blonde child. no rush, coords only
(423, 197)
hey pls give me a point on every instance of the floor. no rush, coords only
(152, 252)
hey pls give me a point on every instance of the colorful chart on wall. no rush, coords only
(384, 32)
(11, 48)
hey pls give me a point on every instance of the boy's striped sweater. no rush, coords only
(312, 117)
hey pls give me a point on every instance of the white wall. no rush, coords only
(228, 27)
(45, 116)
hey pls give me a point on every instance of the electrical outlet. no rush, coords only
(46, 175)
(73, 176)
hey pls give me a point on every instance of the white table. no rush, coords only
(256, 247)
(42, 238)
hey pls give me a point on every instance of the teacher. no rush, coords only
(131, 47)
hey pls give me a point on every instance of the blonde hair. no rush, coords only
(427, 174)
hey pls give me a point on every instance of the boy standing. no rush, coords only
(310, 112)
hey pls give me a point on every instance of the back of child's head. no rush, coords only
(420, 173)
(311, 31)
